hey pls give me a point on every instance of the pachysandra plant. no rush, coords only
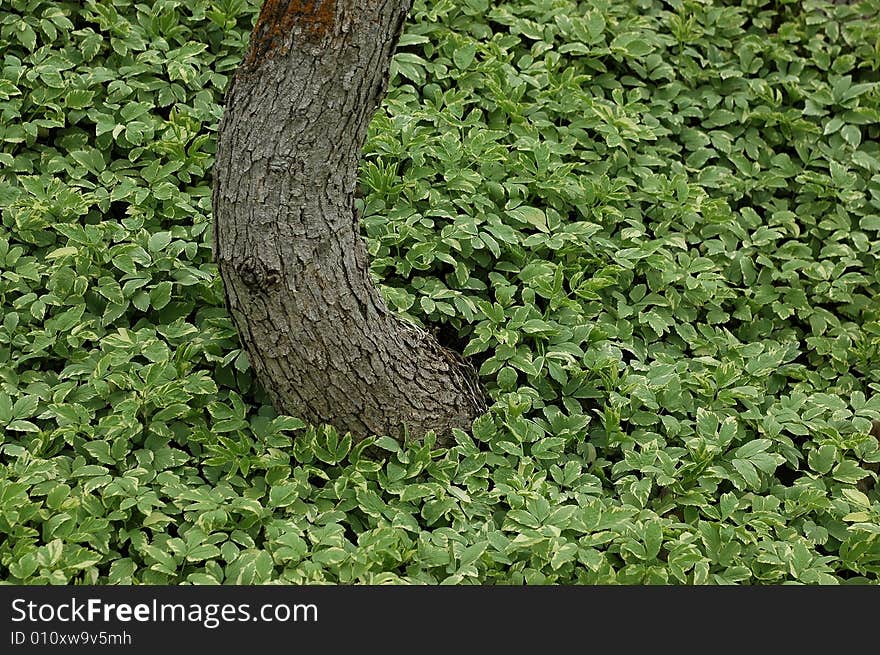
(318, 334)
(655, 225)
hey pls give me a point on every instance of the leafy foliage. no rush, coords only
(652, 225)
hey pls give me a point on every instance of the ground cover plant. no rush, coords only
(652, 225)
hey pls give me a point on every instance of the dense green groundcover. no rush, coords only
(653, 225)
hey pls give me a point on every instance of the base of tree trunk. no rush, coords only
(319, 336)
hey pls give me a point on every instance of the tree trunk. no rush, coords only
(319, 336)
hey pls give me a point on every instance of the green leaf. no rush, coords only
(852, 135)
(19, 425)
(283, 495)
(5, 408)
(160, 295)
(566, 553)
(631, 44)
(822, 459)
(202, 552)
(747, 470)
(62, 252)
(470, 554)
(848, 472)
(26, 35)
(463, 56)
(159, 241)
(530, 215)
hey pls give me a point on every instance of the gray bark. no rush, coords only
(319, 336)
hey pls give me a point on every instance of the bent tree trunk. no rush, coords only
(319, 337)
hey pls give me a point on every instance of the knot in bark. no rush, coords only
(256, 274)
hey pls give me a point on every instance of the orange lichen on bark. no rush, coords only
(278, 18)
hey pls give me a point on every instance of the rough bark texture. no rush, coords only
(320, 339)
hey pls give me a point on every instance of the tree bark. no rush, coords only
(286, 233)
